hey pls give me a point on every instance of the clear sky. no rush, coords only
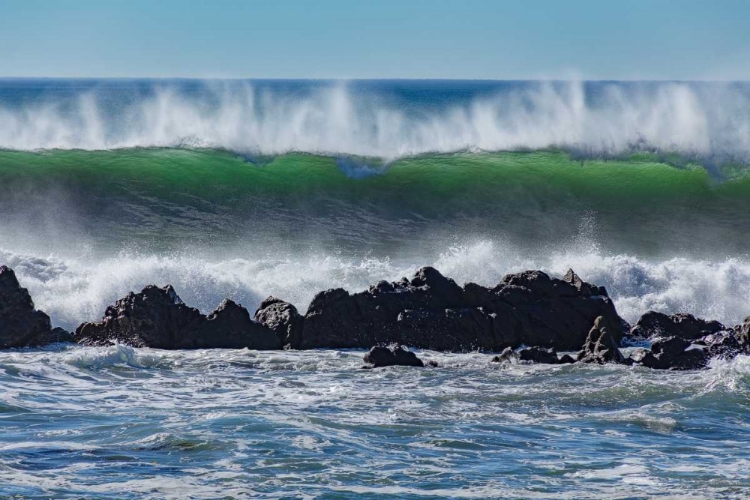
(492, 39)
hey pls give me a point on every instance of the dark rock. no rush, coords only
(539, 355)
(726, 344)
(283, 319)
(56, 335)
(464, 329)
(431, 311)
(743, 332)
(655, 324)
(229, 326)
(157, 317)
(507, 355)
(600, 346)
(567, 359)
(671, 353)
(392, 355)
(20, 324)
(553, 313)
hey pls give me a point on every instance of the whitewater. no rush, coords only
(383, 119)
(245, 189)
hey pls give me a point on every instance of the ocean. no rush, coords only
(244, 189)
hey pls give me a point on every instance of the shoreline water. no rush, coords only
(117, 422)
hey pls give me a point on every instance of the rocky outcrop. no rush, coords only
(157, 317)
(671, 353)
(229, 326)
(433, 312)
(529, 316)
(393, 355)
(282, 318)
(685, 326)
(600, 346)
(20, 324)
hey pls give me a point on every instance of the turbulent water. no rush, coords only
(246, 189)
(123, 423)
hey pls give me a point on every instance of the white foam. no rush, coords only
(72, 290)
(337, 120)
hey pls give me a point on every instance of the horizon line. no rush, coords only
(382, 79)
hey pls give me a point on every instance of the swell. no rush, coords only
(82, 228)
(170, 198)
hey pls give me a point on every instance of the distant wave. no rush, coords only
(335, 120)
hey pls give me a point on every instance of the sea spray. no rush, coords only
(378, 120)
(73, 291)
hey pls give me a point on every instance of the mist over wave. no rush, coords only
(365, 119)
(76, 290)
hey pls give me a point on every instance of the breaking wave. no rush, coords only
(73, 291)
(381, 120)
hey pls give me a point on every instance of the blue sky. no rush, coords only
(634, 39)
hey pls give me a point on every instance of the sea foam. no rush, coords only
(342, 119)
(74, 290)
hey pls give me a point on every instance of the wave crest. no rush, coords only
(348, 119)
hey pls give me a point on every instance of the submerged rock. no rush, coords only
(157, 317)
(686, 326)
(600, 346)
(393, 355)
(671, 353)
(431, 311)
(20, 324)
(539, 355)
(507, 355)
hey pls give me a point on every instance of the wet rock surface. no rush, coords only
(282, 318)
(671, 353)
(431, 311)
(600, 346)
(539, 355)
(157, 317)
(392, 355)
(20, 324)
(528, 317)
(686, 326)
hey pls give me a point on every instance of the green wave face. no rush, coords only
(169, 198)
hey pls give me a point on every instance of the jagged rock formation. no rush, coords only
(157, 317)
(600, 346)
(20, 324)
(431, 311)
(685, 326)
(529, 316)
